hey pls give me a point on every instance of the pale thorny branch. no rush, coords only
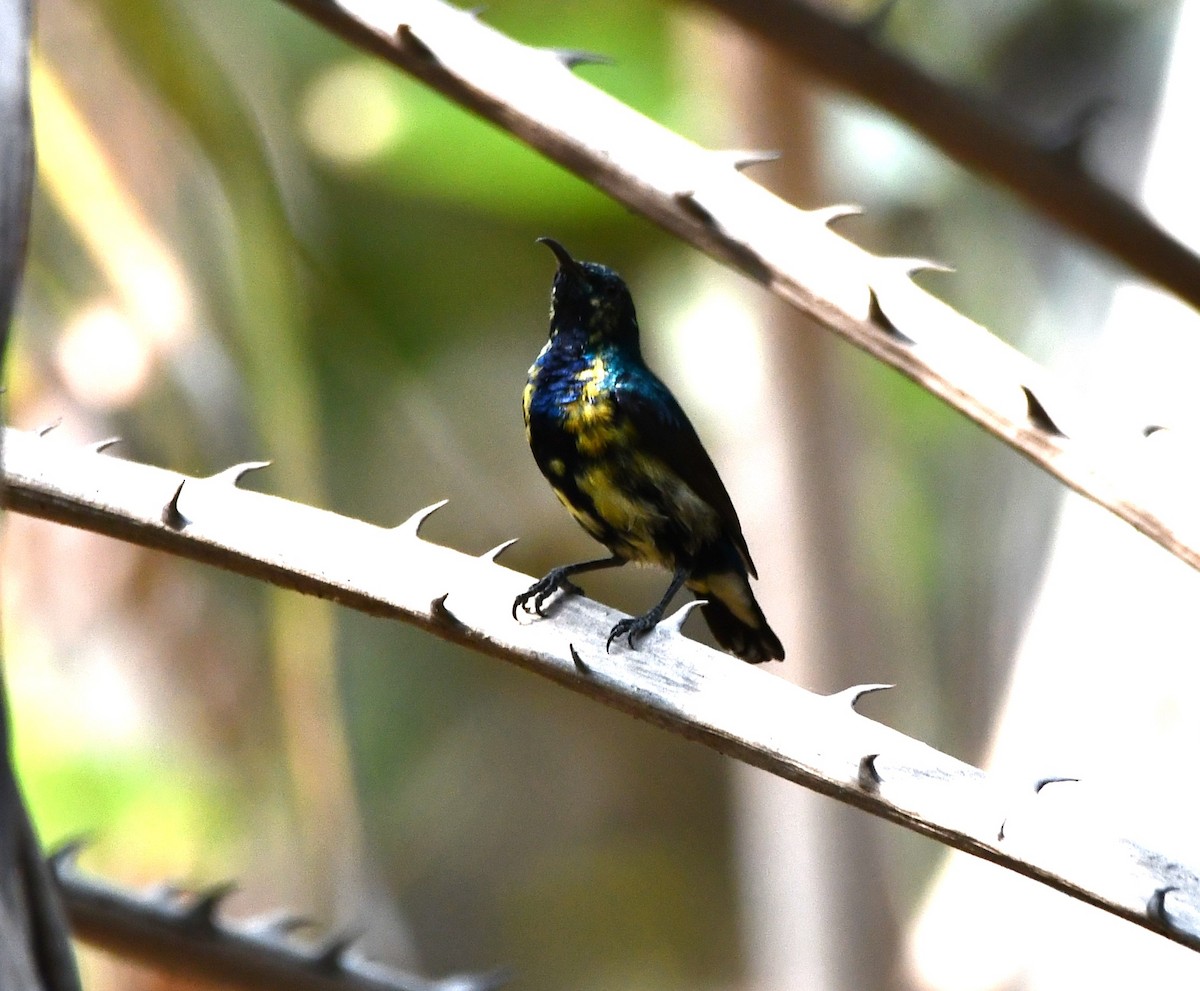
(737, 709)
(1049, 174)
(191, 933)
(700, 196)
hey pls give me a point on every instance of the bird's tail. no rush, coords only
(734, 616)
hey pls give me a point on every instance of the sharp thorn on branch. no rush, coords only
(675, 621)
(171, 516)
(744, 158)
(573, 57)
(332, 956)
(1151, 429)
(494, 554)
(63, 857)
(1000, 831)
(881, 320)
(911, 266)
(868, 773)
(855, 693)
(47, 428)
(408, 42)
(278, 924)
(100, 446)
(235, 473)
(202, 913)
(1069, 143)
(1156, 907)
(489, 981)
(828, 216)
(688, 203)
(412, 526)
(1038, 416)
(441, 614)
(873, 24)
(580, 665)
(1053, 780)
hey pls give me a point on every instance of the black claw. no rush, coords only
(171, 516)
(636, 626)
(540, 591)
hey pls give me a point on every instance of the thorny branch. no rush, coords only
(1049, 176)
(1071, 841)
(700, 196)
(188, 934)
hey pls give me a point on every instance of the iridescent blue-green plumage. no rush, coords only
(624, 459)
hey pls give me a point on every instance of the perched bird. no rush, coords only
(623, 458)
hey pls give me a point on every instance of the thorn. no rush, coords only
(412, 526)
(881, 320)
(675, 621)
(868, 773)
(873, 24)
(496, 551)
(573, 57)
(830, 215)
(236, 473)
(911, 266)
(53, 425)
(742, 158)
(62, 858)
(441, 614)
(855, 693)
(1156, 907)
(203, 911)
(1042, 782)
(1037, 414)
(488, 981)
(103, 445)
(689, 205)
(1070, 141)
(1152, 429)
(1000, 831)
(580, 665)
(280, 924)
(171, 516)
(332, 955)
(408, 42)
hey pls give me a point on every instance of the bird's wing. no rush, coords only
(664, 432)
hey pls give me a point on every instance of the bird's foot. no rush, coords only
(536, 595)
(634, 626)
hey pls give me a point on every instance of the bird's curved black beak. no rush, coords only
(565, 261)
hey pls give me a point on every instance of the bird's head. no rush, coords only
(591, 300)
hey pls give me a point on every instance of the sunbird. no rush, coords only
(624, 459)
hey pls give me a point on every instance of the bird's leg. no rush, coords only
(635, 626)
(559, 578)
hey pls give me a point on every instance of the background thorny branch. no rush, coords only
(233, 264)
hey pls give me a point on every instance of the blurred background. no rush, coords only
(251, 241)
